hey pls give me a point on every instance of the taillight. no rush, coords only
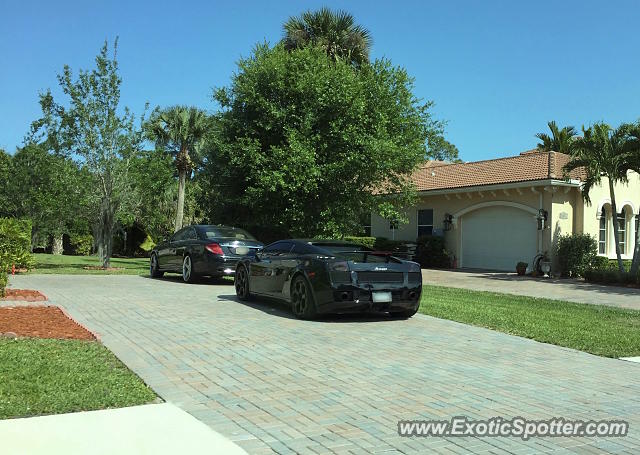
(214, 248)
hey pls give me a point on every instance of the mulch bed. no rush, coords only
(25, 295)
(40, 322)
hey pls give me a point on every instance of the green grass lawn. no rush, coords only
(49, 263)
(600, 330)
(57, 376)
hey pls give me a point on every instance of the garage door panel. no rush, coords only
(498, 238)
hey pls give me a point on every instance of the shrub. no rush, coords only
(576, 253)
(15, 247)
(431, 252)
(82, 245)
(15, 242)
(394, 246)
(369, 242)
(148, 244)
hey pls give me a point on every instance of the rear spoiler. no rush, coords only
(387, 254)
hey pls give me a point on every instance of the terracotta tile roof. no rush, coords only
(528, 166)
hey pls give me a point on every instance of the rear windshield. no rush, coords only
(212, 232)
(352, 252)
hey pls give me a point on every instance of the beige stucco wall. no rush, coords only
(627, 197)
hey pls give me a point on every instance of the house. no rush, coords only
(496, 213)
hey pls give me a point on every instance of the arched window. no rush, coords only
(622, 231)
(602, 236)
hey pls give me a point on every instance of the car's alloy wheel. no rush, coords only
(302, 302)
(241, 283)
(187, 270)
(153, 267)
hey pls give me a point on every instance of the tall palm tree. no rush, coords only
(632, 162)
(180, 131)
(335, 31)
(560, 139)
(602, 152)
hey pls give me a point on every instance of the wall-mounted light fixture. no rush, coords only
(542, 217)
(448, 221)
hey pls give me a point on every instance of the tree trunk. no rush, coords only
(104, 231)
(182, 180)
(56, 244)
(635, 264)
(616, 227)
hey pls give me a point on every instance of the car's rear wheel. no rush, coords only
(154, 269)
(188, 275)
(302, 302)
(241, 283)
(404, 314)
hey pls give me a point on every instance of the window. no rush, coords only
(180, 235)
(278, 248)
(622, 232)
(602, 237)
(425, 222)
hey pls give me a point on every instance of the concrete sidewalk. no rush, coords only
(549, 288)
(153, 429)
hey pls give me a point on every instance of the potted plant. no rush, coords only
(545, 265)
(521, 268)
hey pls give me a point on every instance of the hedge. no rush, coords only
(576, 253)
(431, 252)
(82, 244)
(369, 242)
(605, 270)
(15, 247)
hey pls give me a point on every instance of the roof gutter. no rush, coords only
(504, 186)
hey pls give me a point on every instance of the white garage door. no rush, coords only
(497, 238)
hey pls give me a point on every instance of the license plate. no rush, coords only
(242, 250)
(379, 297)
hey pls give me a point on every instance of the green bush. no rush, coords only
(369, 242)
(394, 246)
(15, 243)
(604, 270)
(576, 253)
(15, 247)
(148, 244)
(82, 245)
(431, 252)
(3, 279)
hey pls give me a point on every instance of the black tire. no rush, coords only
(154, 270)
(302, 302)
(404, 314)
(241, 283)
(188, 274)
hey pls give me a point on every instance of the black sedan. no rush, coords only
(330, 276)
(202, 250)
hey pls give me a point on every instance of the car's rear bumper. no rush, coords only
(358, 298)
(213, 265)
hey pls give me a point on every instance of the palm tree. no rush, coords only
(602, 152)
(632, 162)
(560, 139)
(336, 32)
(180, 131)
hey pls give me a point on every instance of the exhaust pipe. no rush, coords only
(412, 295)
(345, 296)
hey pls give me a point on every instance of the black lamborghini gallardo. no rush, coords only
(330, 276)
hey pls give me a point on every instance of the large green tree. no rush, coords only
(102, 136)
(561, 139)
(602, 152)
(306, 144)
(333, 31)
(48, 189)
(6, 201)
(179, 131)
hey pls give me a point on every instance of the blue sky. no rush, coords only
(497, 70)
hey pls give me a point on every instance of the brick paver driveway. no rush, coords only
(276, 384)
